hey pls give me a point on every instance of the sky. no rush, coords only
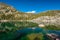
(33, 6)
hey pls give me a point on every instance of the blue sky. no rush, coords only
(33, 5)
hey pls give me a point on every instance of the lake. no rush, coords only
(25, 31)
(18, 30)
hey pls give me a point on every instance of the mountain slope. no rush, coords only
(10, 13)
(50, 18)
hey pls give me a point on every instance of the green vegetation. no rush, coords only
(52, 27)
(9, 26)
(8, 29)
(33, 36)
(7, 35)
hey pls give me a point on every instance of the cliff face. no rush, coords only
(49, 20)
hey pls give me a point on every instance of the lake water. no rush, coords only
(25, 31)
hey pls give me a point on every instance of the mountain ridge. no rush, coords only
(9, 13)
